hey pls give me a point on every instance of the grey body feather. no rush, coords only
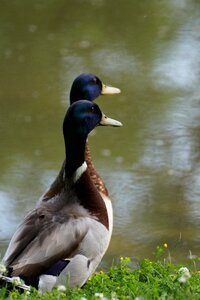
(58, 229)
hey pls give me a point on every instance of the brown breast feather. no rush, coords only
(58, 184)
(91, 199)
(98, 182)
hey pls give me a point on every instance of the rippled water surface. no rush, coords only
(151, 51)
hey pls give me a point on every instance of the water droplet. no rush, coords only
(63, 51)
(8, 53)
(84, 44)
(32, 28)
(20, 46)
(51, 36)
(106, 152)
(119, 159)
(35, 94)
(21, 59)
(159, 143)
(28, 119)
(170, 172)
(37, 152)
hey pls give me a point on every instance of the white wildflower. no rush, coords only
(185, 271)
(100, 296)
(185, 274)
(2, 268)
(17, 280)
(114, 296)
(61, 288)
(27, 292)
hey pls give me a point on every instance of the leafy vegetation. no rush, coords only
(159, 279)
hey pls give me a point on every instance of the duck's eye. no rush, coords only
(92, 109)
(94, 80)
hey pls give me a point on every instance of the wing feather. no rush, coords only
(42, 239)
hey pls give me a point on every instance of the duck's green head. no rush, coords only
(83, 116)
(88, 86)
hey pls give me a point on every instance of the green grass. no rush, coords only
(159, 279)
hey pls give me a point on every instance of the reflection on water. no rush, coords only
(177, 66)
(8, 225)
(173, 144)
(150, 50)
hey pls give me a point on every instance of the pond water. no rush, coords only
(151, 51)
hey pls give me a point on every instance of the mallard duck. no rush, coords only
(89, 86)
(64, 239)
(86, 86)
